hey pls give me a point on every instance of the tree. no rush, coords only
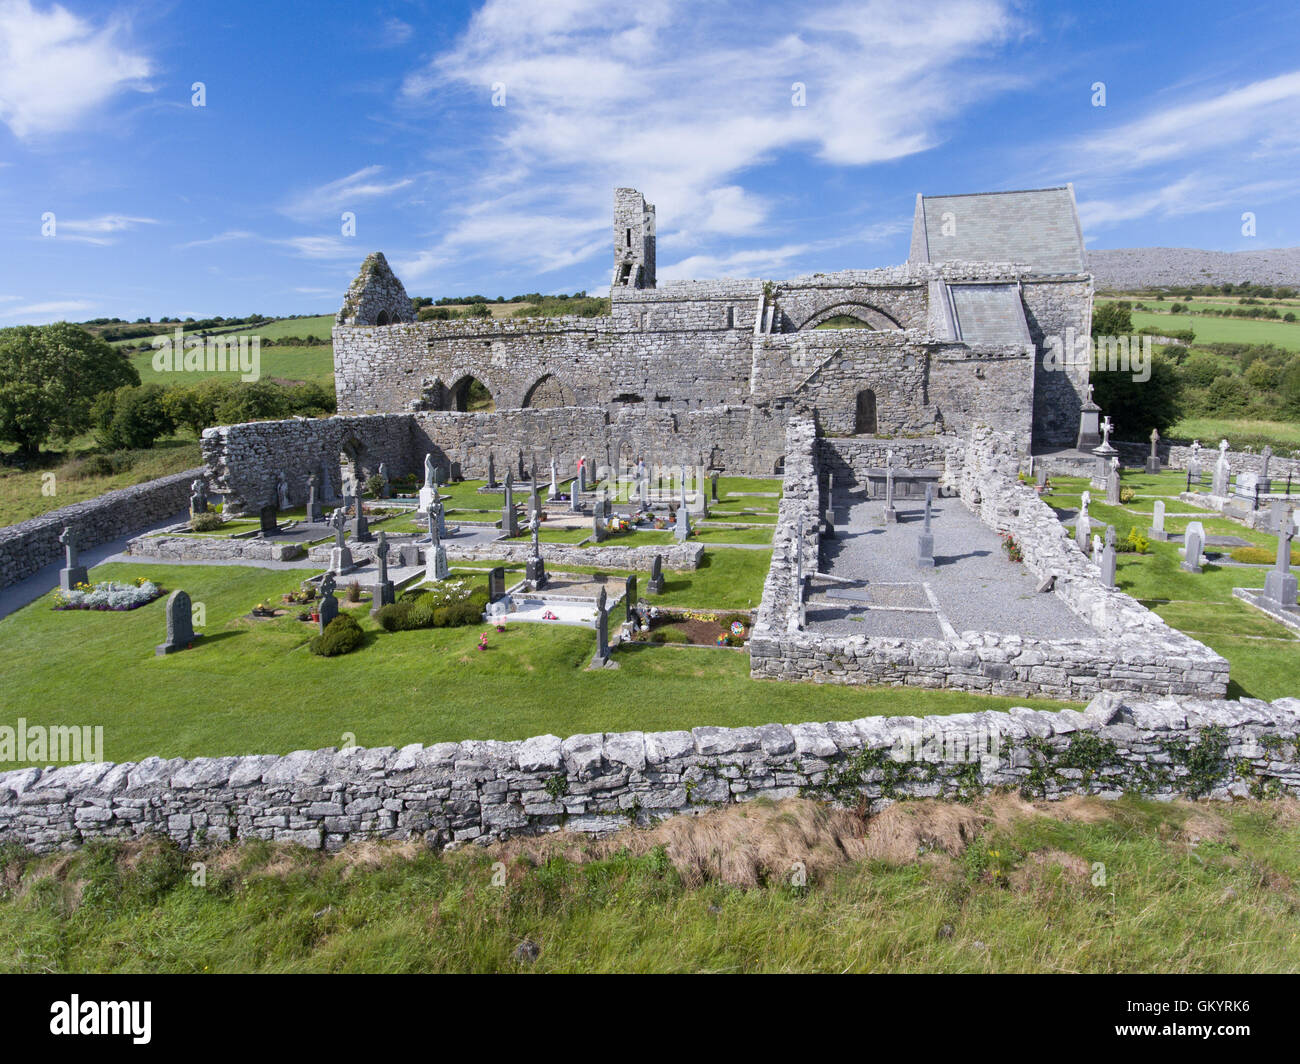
(49, 376)
(132, 417)
(1111, 319)
(253, 401)
(195, 407)
(1137, 407)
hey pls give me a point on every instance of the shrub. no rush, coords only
(99, 465)
(375, 485)
(208, 522)
(1262, 555)
(354, 591)
(1132, 542)
(1127, 494)
(394, 616)
(341, 636)
(132, 416)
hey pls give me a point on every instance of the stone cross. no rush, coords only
(1084, 502)
(629, 594)
(1155, 439)
(314, 511)
(1090, 393)
(69, 540)
(338, 519)
(890, 513)
(509, 519)
(1280, 584)
(682, 530)
(925, 541)
(602, 631)
(435, 533)
(929, 502)
(534, 501)
(492, 471)
(1153, 460)
(180, 624)
(555, 487)
(360, 524)
(1106, 428)
(381, 556)
(1222, 471)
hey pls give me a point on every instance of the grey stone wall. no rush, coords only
(484, 790)
(1133, 651)
(31, 545)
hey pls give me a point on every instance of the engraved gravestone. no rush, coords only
(180, 624)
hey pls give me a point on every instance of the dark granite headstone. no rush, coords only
(329, 605)
(315, 513)
(509, 519)
(268, 524)
(629, 594)
(496, 583)
(656, 584)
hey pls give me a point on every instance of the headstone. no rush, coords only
(340, 555)
(925, 541)
(682, 529)
(575, 507)
(328, 608)
(1280, 584)
(315, 512)
(1247, 485)
(534, 502)
(555, 484)
(428, 470)
(268, 521)
(713, 485)
(360, 523)
(509, 519)
(496, 583)
(180, 624)
(1040, 475)
(1157, 529)
(601, 657)
(1089, 413)
(1265, 482)
(629, 594)
(891, 515)
(1083, 524)
(326, 485)
(523, 473)
(656, 583)
(1096, 548)
(492, 471)
(282, 491)
(1108, 558)
(438, 514)
(1153, 459)
(1193, 546)
(1222, 471)
(1112, 483)
(198, 497)
(535, 569)
(599, 530)
(73, 572)
(435, 562)
(381, 592)
(582, 474)
(385, 486)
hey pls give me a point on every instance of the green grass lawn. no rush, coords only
(1264, 656)
(1280, 434)
(23, 494)
(1224, 330)
(252, 686)
(275, 363)
(1188, 888)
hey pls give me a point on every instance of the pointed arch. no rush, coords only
(548, 391)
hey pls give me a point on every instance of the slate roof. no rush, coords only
(989, 313)
(1037, 227)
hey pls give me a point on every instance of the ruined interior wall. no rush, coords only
(1057, 308)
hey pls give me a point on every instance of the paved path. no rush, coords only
(973, 586)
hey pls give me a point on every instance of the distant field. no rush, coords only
(321, 325)
(1210, 430)
(1224, 330)
(277, 363)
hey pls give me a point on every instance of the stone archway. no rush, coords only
(867, 317)
(471, 395)
(548, 392)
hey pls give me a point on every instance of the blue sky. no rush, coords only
(386, 111)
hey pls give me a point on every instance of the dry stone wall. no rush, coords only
(599, 782)
(31, 545)
(1133, 651)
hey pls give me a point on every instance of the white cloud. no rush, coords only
(96, 230)
(57, 68)
(1233, 150)
(680, 100)
(52, 311)
(344, 194)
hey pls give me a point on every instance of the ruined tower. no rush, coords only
(634, 240)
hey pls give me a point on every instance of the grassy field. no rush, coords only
(1210, 430)
(1224, 330)
(1264, 656)
(23, 494)
(252, 685)
(999, 885)
(289, 364)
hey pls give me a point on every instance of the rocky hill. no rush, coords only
(1130, 268)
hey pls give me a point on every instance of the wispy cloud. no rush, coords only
(98, 230)
(346, 193)
(57, 68)
(1196, 155)
(48, 311)
(682, 99)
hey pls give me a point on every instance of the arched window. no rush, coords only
(471, 395)
(383, 318)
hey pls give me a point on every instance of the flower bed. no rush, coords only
(108, 595)
(697, 627)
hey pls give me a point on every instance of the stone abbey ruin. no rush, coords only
(905, 410)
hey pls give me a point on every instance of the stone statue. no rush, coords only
(282, 490)
(428, 471)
